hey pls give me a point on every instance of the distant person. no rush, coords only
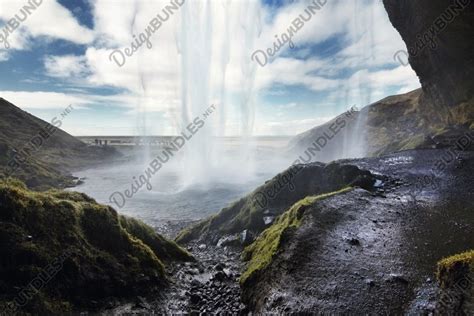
(96, 142)
(105, 143)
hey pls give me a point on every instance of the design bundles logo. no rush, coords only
(261, 57)
(262, 197)
(154, 25)
(15, 21)
(428, 38)
(41, 280)
(119, 198)
(36, 142)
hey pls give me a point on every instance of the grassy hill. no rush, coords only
(81, 254)
(39, 153)
(396, 123)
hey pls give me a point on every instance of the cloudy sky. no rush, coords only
(200, 55)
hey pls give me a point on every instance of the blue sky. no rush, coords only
(60, 55)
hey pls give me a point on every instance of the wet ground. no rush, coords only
(210, 285)
(368, 252)
(376, 252)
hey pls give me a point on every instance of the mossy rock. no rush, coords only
(98, 253)
(455, 268)
(261, 252)
(163, 248)
(275, 197)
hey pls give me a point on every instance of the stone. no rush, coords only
(246, 237)
(229, 241)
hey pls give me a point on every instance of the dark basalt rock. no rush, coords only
(447, 71)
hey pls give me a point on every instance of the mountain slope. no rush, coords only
(38, 152)
(392, 124)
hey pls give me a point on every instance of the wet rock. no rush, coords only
(246, 237)
(396, 278)
(366, 182)
(370, 282)
(378, 184)
(193, 271)
(194, 298)
(142, 303)
(229, 241)
(353, 241)
(202, 247)
(219, 267)
(267, 220)
(228, 273)
(196, 283)
(220, 276)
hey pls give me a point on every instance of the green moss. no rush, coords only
(454, 268)
(195, 231)
(260, 253)
(412, 142)
(110, 255)
(164, 249)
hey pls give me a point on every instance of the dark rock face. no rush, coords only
(446, 71)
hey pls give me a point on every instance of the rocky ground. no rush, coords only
(374, 252)
(209, 285)
(365, 251)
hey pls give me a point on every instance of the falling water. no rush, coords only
(201, 56)
(355, 137)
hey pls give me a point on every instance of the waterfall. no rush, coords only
(204, 66)
(355, 137)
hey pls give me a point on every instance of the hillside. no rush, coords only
(86, 254)
(39, 153)
(393, 124)
(367, 253)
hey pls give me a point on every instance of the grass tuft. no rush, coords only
(455, 268)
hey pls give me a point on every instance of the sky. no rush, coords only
(61, 54)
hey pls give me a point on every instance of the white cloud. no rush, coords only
(3, 56)
(49, 19)
(65, 66)
(58, 100)
(288, 127)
